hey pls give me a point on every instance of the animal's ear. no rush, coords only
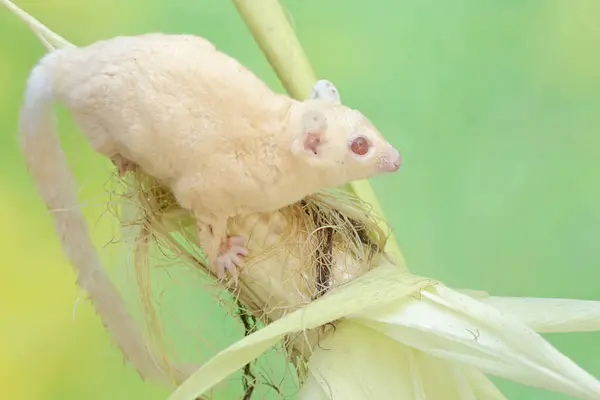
(325, 90)
(311, 134)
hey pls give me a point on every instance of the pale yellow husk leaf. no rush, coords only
(360, 363)
(550, 315)
(405, 335)
(384, 284)
(453, 326)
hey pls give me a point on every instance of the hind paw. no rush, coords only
(230, 257)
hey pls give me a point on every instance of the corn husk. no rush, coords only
(549, 315)
(419, 339)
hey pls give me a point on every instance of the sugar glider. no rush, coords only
(198, 121)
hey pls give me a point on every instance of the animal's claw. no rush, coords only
(239, 250)
(123, 165)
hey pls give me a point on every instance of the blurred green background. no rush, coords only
(494, 104)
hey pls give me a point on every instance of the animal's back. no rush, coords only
(169, 103)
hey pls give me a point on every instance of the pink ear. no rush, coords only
(313, 129)
(312, 141)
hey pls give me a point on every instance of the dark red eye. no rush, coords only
(360, 146)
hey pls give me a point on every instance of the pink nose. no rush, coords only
(391, 160)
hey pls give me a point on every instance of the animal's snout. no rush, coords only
(391, 160)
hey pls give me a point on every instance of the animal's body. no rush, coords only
(200, 122)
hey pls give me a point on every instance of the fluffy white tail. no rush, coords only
(56, 184)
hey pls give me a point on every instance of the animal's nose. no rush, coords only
(393, 159)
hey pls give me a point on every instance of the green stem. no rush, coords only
(271, 29)
(49, 38)
(275, 36)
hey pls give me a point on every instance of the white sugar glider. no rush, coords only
(198, 121)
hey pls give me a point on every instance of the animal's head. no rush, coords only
(341, 141)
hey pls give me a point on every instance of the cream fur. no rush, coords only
(198, 121)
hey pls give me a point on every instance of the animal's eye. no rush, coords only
(360, 146)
